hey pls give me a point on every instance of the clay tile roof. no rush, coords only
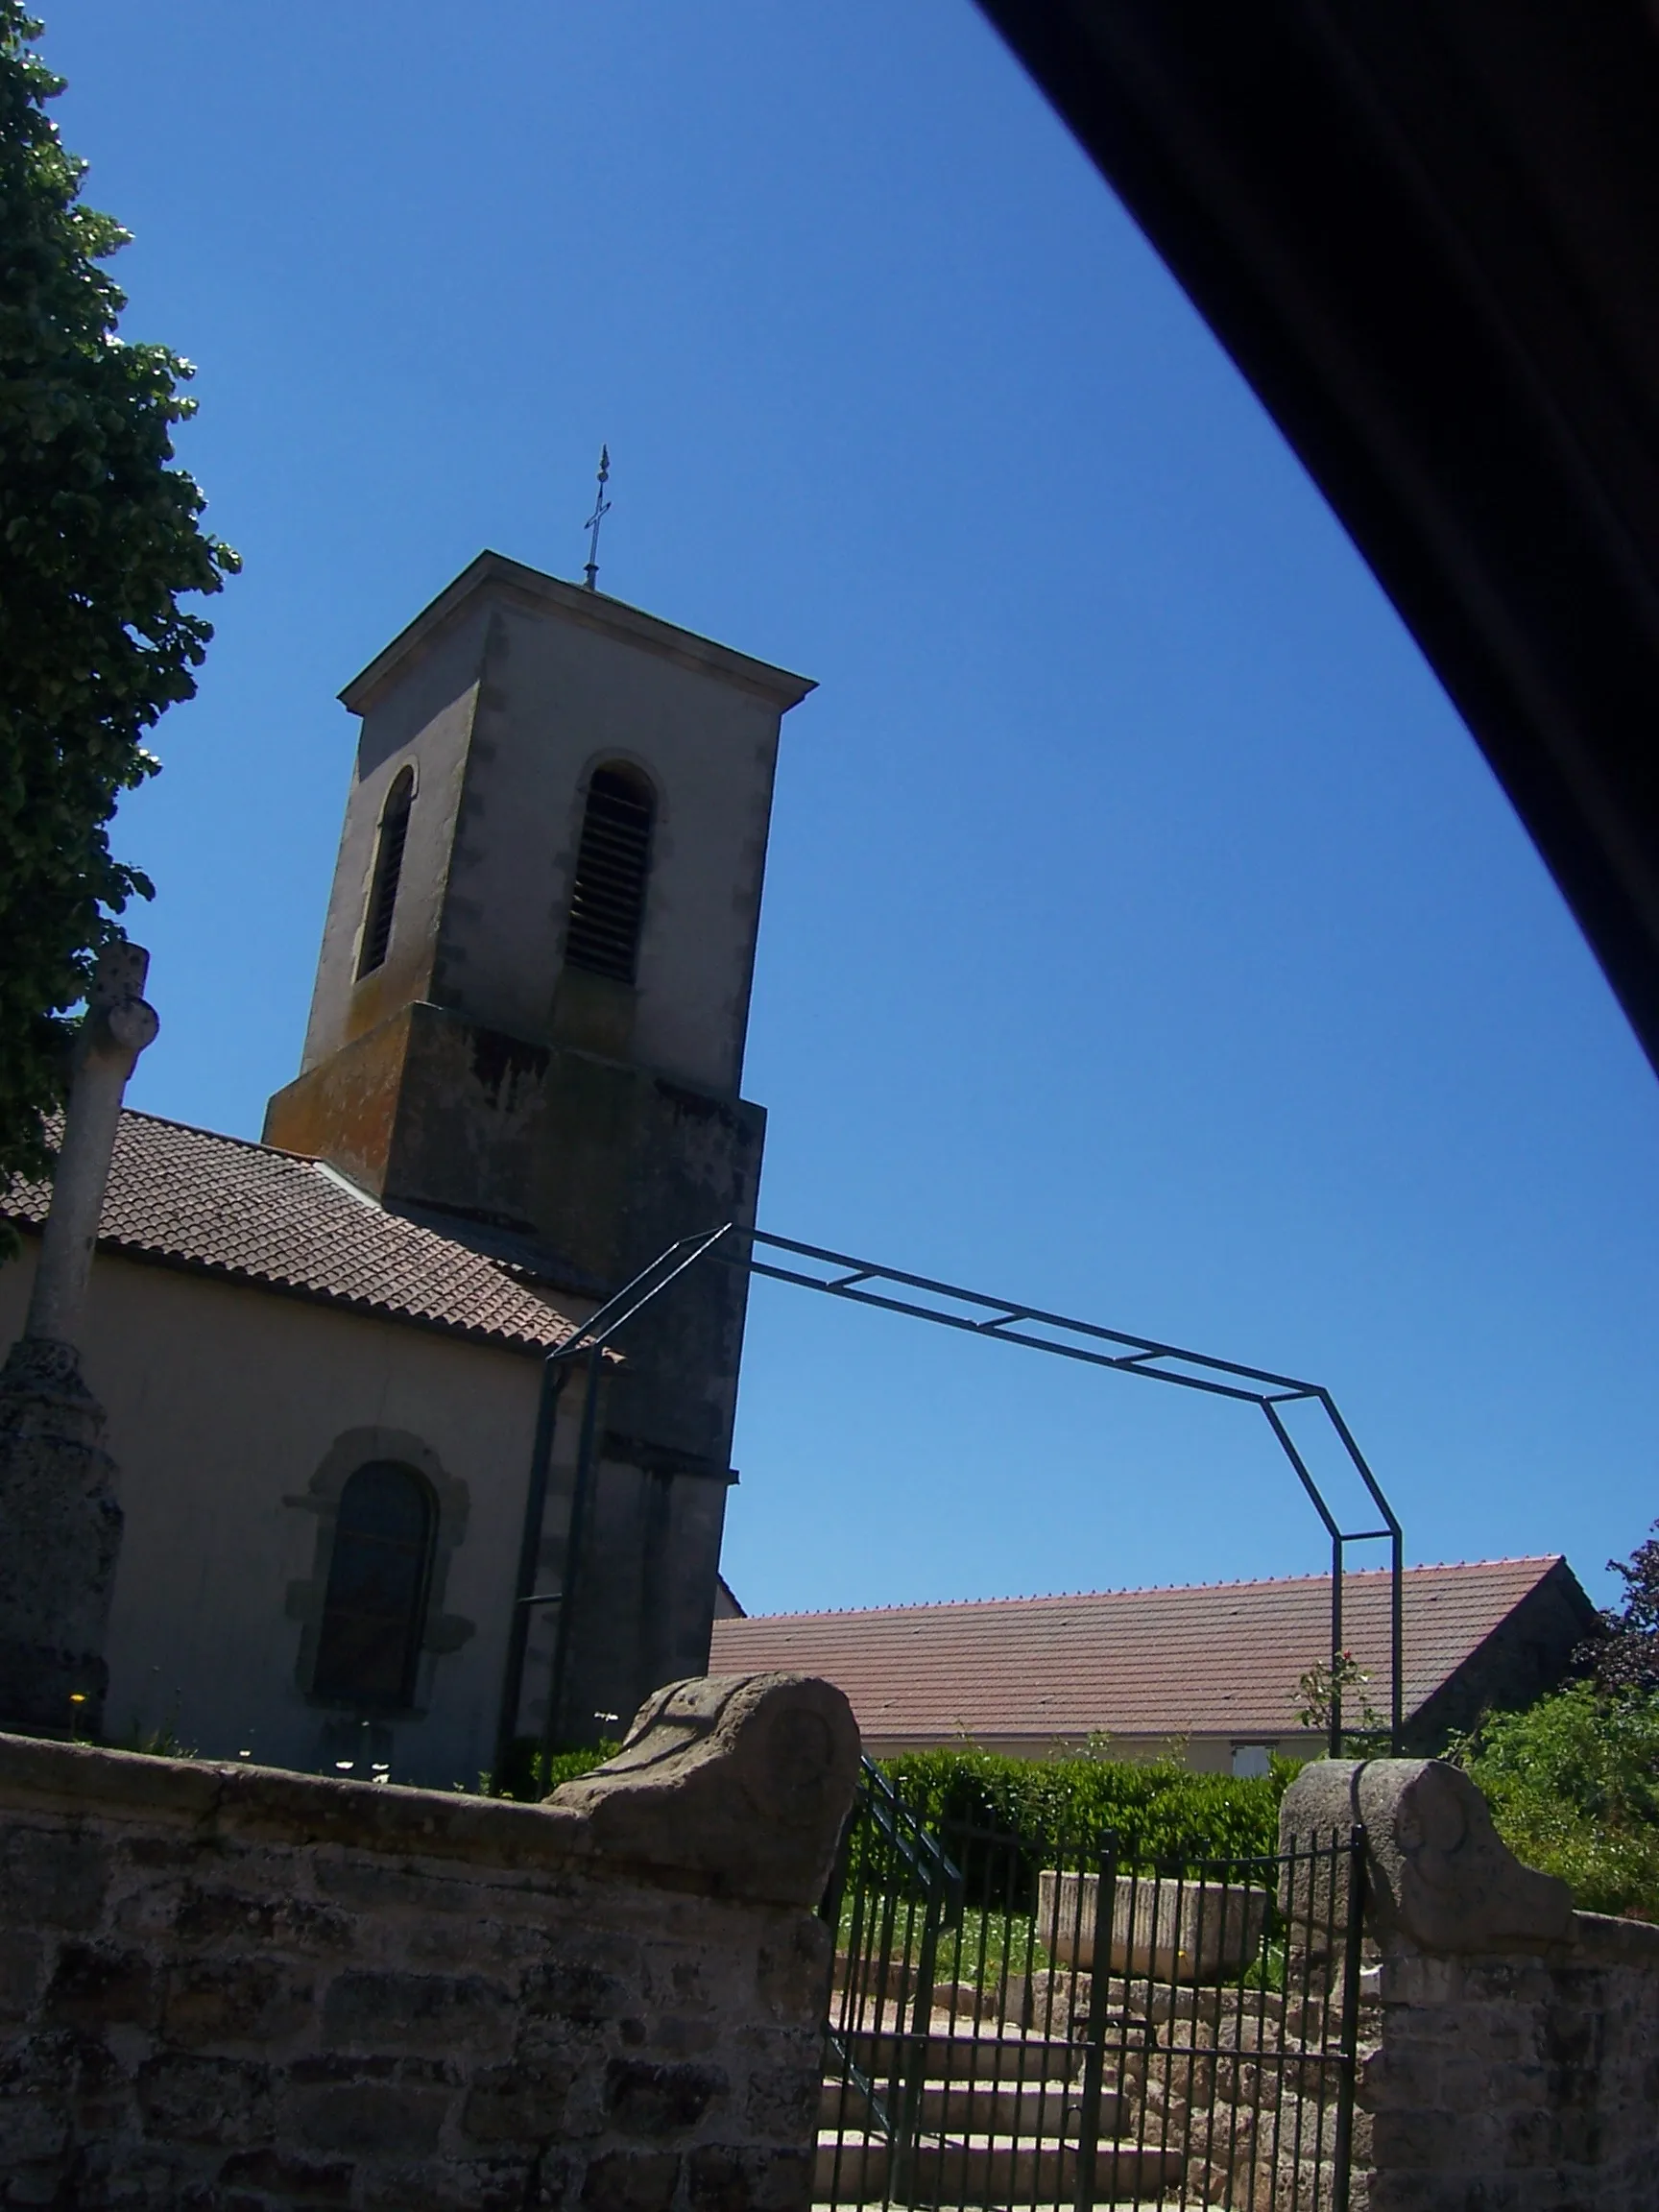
(221, 1206)
(1217, 1659)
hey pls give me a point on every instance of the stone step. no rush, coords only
(993, 2170)
(999, 2107)
(964, 2057)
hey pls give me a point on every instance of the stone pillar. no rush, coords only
(1478, 2085)
(60, 1521)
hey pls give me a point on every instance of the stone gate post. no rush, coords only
(1511, 2051)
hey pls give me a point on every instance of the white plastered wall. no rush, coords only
(224, 1401)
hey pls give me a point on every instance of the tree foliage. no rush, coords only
(100, 538)
(1627, 1657)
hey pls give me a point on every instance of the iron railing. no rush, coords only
(1041, 2018)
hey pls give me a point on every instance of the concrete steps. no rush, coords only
(990, 2170)
(958, 2054)
(995, 2107)
(998, 2124)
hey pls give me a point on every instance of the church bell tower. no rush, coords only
(530, 1013)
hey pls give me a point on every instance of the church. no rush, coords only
(321, 1355)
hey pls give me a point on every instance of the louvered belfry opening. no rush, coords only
(607, 903)
(388, 869)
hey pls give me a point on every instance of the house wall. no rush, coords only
(232, 1414)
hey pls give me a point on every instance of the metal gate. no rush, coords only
(1021, 2020)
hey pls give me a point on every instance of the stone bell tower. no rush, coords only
(530, 1014)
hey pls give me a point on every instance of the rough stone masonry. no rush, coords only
(1513, 2044)
(228, 1987)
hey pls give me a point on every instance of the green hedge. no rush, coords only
(1162, 1812)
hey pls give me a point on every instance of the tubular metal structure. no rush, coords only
(1007, 1321)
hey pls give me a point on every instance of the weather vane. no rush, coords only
(601, 508)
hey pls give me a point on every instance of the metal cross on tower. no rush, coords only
(601, 508)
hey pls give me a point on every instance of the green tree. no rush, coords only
(100, 538)
(1626, 1656)
(1341, 1685)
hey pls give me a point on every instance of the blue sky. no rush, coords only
(1144, 936)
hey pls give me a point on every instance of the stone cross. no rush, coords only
(119, 1025)
(60, 1520)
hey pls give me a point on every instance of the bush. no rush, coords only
(1162, 1812)
(529, 1773)
(1574, 1787)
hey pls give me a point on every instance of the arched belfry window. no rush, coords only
(608, 902)
(375, 1608)
(388, 870)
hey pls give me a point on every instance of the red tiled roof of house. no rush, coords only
(1209, 1659)
(221, 1206)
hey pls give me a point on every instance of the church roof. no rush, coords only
(534, 588)
(1212, 1659)
(221, 1206)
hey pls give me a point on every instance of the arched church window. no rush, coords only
(388, 869)
(374, 1607)
(608, 902)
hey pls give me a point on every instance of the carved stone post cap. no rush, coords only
(119, 972)
(745, 1778)
(1439, 1876)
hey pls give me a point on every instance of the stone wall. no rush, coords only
(1511, 2058)
(226, 1987)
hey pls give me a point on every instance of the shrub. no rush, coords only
(1574, 1787)
(1162, 1812)
(529, 1773)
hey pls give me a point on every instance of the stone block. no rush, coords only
(25, 1962)
(744, 1778)
(723, 2178)
(1172, 1931)
(254, 2001)
(1439, 1876)
(652, 2101)
(100, 1984)
(1451, 2142)
(189, 2098)
(366, 2118)
(487, 2185)
(631, 2181)
(31, 2128)
(577, 1991)
(261, 2177)
(792, 1972)
(52, 1880)
(525, 2103)
(209, 1915)
(783, 2102)
(398, 2011)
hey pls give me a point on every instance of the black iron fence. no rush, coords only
(1021, 2020)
